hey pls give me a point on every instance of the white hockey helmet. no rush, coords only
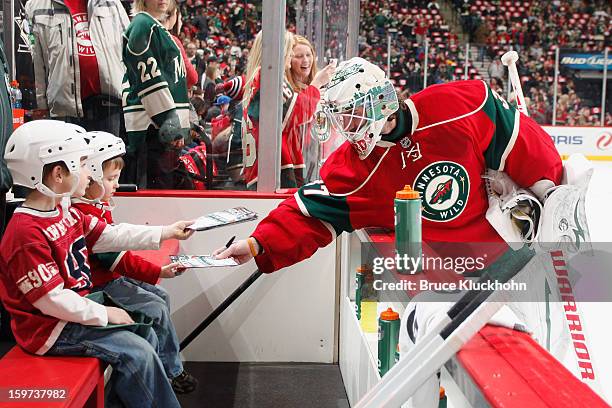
(358, 100)
(105, 146)
(40, 142)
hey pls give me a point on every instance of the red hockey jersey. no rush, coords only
(40, 251)
(111, 265)
(298, 108)
(458, 131)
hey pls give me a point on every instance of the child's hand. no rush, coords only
(118, 316)
(239, 250)
(171, 270)
(178, 230)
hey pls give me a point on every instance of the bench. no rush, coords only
(509, 369)
(83, 378)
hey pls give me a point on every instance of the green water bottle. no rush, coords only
(359, 283)
(397, 353)
(408, 229)
(443, 402)
(364, 279)
(388, 337)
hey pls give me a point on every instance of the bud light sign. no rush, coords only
(593, 62)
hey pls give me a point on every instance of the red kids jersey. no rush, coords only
(458, 130)
(297, 110)
(111, 265)
(42, 250)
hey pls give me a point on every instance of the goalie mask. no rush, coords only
(358, 101)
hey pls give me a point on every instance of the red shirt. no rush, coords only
(88, 63)
(109, 266)
(41, 250)
(298, 109)
(460, 129)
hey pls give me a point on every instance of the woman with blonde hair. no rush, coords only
(302, 67)
(299, 103)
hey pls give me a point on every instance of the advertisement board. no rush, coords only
(584, 61)
(594, 142)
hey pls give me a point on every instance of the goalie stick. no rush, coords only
(509, 59)
(461, 322)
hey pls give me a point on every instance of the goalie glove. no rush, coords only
(514, 212)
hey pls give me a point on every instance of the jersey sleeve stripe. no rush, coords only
(91, 226)
(513, 137)
(151, 88)
(158, 102)
(301, 205)
(117, 260)
(505, 120)
(136, 120)
(305, 212)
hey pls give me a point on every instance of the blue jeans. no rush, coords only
(154, 302)
(139, 379)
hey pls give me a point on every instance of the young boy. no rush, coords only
(44, 272)
(136, 289)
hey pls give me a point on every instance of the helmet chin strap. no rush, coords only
(41, 187)
(96, 200)
(64, 197)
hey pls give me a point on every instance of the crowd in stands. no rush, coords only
(532, 28)
(217, 36)
(408, 25)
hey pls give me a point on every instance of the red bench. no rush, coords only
(511, 370)
(82, 378)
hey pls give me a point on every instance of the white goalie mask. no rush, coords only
(358, 101)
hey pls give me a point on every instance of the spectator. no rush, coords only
(201, 24)
(192, 55)
(293, 110)
(157, 121)
(92, 96)
(496, 69)
(303, 65)
(173, 23)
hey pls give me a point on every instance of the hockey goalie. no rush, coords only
(567, 305)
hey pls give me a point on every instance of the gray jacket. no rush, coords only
(56, 62)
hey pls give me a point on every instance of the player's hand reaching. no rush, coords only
(323, 76)
(118, 316)
(178, 230)
(239, 250)
(171, 270)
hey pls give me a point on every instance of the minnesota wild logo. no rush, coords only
(342, 74)
(444, 188)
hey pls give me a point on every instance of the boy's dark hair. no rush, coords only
(48, 168)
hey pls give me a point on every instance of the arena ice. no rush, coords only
(289, 130)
